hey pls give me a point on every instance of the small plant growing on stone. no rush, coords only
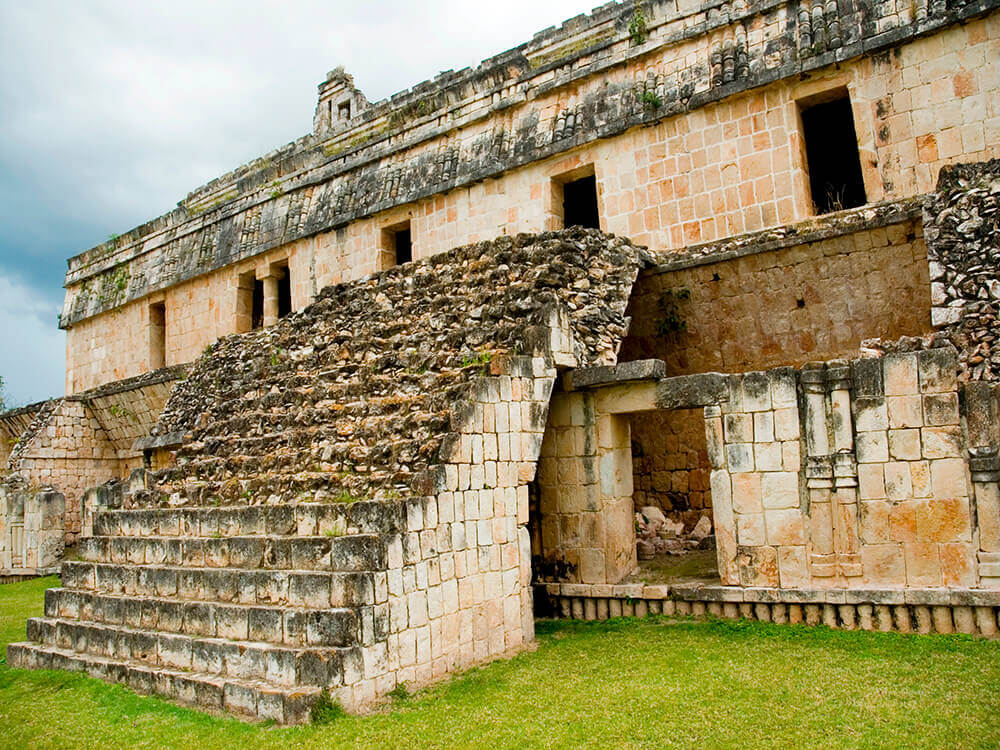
(326, 710)
(637, 27)
(345, 496)
(671, 321)
(400, 692)
(651, 100)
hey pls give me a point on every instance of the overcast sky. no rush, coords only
(111, 112)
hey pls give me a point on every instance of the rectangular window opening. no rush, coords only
(157, 336)
(580, 203)
(834, 165)
(344, 110)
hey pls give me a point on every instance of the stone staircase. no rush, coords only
(294, 544)
(248, 609)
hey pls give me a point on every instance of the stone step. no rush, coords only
(304, 519)
(305, 588)
(245, 660)
(358, 552)
(280, 624)
(253, 699)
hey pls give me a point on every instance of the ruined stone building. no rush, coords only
(507, 343)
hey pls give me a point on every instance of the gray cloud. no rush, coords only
(111, 112)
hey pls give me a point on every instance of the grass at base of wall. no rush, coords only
(655, 682)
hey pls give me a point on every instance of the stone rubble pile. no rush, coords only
(656, 534)
(356, 394)
(962, 229)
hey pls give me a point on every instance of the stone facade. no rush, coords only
(484, 152)
(386, 451)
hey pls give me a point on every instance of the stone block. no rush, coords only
(739, 428)
(756, 391)
(871, 416)
(941, 409)
(791, 459)
(948, 478)
(793, 569)
(904, 445)
(904, 411)
(767, 456)
(938, 370)
(871, 481)
(898, 483)
(903, 522)
(872, 447)
(941, 442)
(958, 564)
(943, 520)
(900, 374)
(739, 457)
(786, 424)
(923, 564)
(874, 521)
(750, 530)
(758, 566)
(780, 489)
(785, 527)
(763, 427)
(746, 493)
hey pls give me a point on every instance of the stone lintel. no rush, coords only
(692, 391)
(150, 442)
(591, 377)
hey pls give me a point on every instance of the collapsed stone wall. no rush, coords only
(962, 226)
(360, 392)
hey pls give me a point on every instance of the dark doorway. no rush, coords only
(403, 245)
(832, 153)
(257, 310)
(284, 292)
(580, 203)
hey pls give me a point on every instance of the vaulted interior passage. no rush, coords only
(835, 176)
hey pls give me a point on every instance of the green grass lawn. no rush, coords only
(655, 682)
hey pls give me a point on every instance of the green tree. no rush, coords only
(3, 404)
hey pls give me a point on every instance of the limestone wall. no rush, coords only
(763, 301)
(874, 473)
(718, 158)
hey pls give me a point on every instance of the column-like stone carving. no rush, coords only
(270, 300)
(819, 473)
(845, 470)
(983, 421)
